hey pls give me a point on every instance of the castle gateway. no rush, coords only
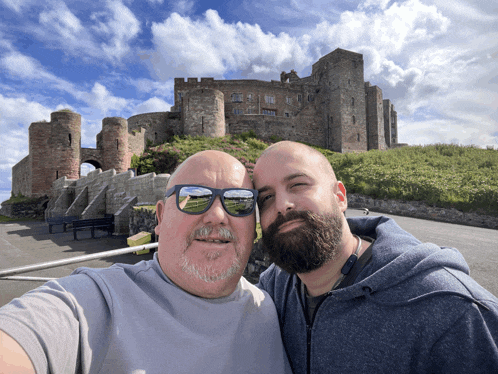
(333, 108)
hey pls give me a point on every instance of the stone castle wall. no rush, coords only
(21, 177)
(333, 108)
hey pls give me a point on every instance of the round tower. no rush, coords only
(65, 144)
(115, 144)
(204, 112)
(41, 163)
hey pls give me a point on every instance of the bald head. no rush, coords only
(287, 151)
(198, 163)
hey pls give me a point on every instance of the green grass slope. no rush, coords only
(442, 175)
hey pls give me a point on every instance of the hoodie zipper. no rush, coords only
(309, 326)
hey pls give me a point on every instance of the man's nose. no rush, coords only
(216, 213)
(284, 204)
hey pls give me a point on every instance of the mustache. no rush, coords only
(205, 231)
(290, 216)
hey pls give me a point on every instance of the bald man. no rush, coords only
(360, 295)
(186, 311)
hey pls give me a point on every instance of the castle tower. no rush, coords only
(341, 74)
(375, 117)
(203, 112)
(115, 144)
(54, 148)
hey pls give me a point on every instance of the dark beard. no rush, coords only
(306, 247)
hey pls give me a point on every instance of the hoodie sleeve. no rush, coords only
(470, 344)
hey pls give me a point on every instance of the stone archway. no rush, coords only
(85, 167)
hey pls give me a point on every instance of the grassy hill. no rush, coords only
(442, 175)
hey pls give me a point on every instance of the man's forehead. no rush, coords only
(202, 170)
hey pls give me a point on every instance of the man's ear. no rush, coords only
(159, 215)
(341, 194)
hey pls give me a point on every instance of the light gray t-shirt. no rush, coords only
(133, 319)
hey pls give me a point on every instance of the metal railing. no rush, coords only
(11, 274)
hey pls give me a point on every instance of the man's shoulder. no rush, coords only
(274, 279)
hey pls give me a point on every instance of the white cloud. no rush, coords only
(159, 2)
(154, 104)
(61, 20)
(17, 5)
(16, 116)
(158, 88)
(20, 65)
(210, 46)
(183, 6)
(120, 25)
(103, 100)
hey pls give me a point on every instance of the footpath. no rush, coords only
(27, 243)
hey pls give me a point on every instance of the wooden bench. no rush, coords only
(64, 221)
(105, 224)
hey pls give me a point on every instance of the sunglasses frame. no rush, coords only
(216, 191)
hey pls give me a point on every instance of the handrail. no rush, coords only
(73, 260)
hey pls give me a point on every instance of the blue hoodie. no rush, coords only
(412, 309)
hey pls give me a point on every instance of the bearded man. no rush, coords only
(360, 295)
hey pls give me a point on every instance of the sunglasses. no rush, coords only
(196, 199)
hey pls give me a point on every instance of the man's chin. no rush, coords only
(212, 270)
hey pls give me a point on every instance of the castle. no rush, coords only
(333, 108)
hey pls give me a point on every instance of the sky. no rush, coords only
(437, 61)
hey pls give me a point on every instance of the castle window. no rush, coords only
(238, 111)
(249, 111)
(287, 114)
(179, 96)
(288, 100)
(354, 119)
(310, 97)
(236, 98)
(358, 136)
(268, 112)
(69, 139)
(349, 82)
(269, 99)
(57, 175)
(352, 101)
(299, 97)
(117, 144)
(249, 97)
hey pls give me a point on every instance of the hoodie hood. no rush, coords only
(399, 262)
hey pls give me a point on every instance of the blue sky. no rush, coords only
(436, 60)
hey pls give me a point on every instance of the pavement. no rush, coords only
(27, 243)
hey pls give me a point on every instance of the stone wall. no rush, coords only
(32, 209)
(101, 193)
(418, 209)
(159, 126)
(21, 177)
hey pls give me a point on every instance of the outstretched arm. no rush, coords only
(13, 358)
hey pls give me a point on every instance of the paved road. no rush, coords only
(479, 246)
(25, 243)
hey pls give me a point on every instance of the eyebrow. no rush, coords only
(286, 179)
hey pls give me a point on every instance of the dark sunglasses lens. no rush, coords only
(194, 199)
(238, 202)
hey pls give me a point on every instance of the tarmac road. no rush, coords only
(26, 243)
